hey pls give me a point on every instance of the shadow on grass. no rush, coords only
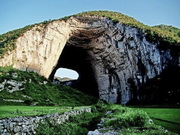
(165, 121)
(169, 125)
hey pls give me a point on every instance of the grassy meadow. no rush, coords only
(168, 118)
(14, 111)
(129, 120)
(122, 120)
(37, 90)
(39, 96)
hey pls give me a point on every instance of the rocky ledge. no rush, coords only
(114, 58)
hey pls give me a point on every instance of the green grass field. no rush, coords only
(166, 117)
(13, 111)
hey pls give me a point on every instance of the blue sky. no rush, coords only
(19, 13)
(63, 72)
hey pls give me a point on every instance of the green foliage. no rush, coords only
(129, 121)
(46, 22)
(37, 90)
(76, 125)
(59, 129)
(115, 21)
(166, 117)
(125, 117)
(100, 107)
(133, 121)
(14, 111)
(166, 35)
(7, 73)
(153, 130)
(153, 34)
(7, 40)
(44, 128)
(65, 18)
(171, 29)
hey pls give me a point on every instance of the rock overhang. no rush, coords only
(113, 52)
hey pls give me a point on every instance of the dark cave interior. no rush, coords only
(160, 90)
(163, 89)
(78, 59)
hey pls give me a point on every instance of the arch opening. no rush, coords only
(65, 76)
(79, 60)
(66, 73)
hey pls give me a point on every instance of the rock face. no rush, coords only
(113, 60)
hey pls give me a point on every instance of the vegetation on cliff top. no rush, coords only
(36, 90)
(166, 35)
(171, 29)
(154, 34)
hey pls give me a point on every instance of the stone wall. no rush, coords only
(27, 125)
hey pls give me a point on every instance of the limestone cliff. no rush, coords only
(120, 57)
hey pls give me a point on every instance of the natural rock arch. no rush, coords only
(109, 57)
(77, 58)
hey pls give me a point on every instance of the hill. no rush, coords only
(153, 34)
(171, 29)
(115, 55)
(63, 79)
(28, 88)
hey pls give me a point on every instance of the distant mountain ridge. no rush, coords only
(63, 79)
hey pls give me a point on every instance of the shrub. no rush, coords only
(76, 125)
(100, 107)
(130, 118)
(115, 21)
(130, 121)
(45, 128)
(60, 129)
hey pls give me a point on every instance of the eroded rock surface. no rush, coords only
(120, 56)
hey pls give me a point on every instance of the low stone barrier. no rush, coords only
(27, 125)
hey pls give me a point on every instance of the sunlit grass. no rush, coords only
(13, 111)
(39, 91)
(169, 118)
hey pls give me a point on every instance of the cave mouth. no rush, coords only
(79, 60)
